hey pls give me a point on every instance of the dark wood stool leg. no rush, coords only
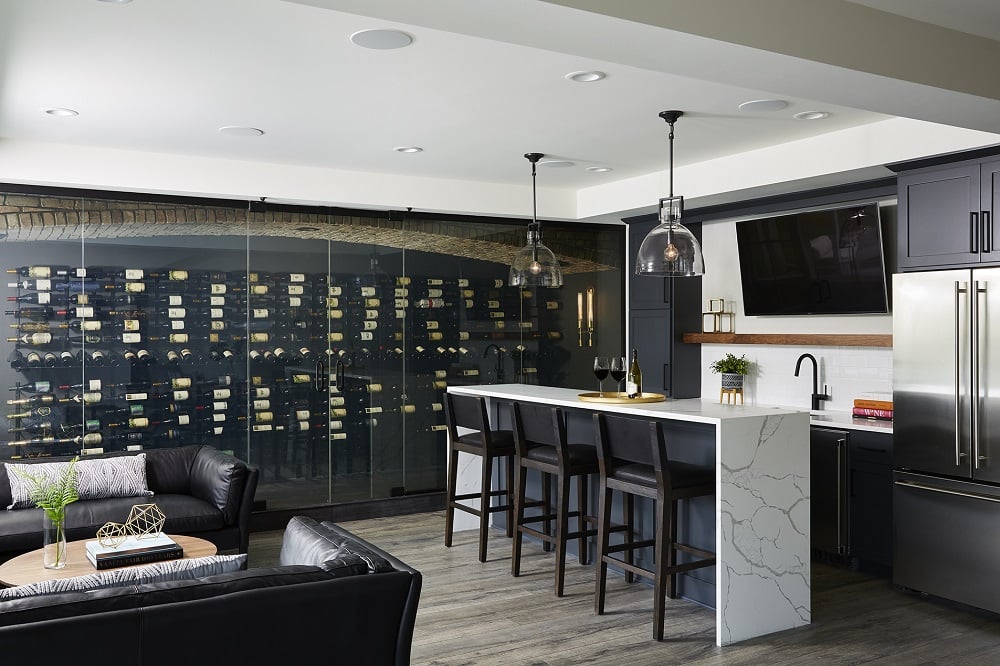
(519, 491)
(562, 529)
(603, 537)
(484, 506)
(671, 551)
(509, 496)
(663, 530)
(449, 512)
(547, 508)
(581, 520)
(629, 510)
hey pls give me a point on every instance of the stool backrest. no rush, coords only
(467, 411)
(630, 440)
(538, 424)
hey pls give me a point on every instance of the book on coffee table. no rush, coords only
(134, 551)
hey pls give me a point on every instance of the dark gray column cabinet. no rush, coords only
(661, 310)
(946, 214)
(851, 497)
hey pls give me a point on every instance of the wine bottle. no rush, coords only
(57, 272)
(33, 387)
(633, 380)
(38, 298)
(35, 339)
(43, 429)
(35, 400)
(38, 314)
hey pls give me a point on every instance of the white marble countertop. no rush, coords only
(847, 421)
(693, 409)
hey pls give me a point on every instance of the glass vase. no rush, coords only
(53, 543)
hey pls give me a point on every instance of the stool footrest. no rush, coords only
(631, 545)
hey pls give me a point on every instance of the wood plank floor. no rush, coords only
(477, 613)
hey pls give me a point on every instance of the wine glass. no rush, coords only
(602, 365)
(618, 371)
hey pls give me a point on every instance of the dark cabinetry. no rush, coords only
(660, 311)
(851, 499)
(946, 215)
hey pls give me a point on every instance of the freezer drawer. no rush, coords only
(946, 539)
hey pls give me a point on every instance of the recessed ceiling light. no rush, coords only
(585, 77)
(381, 39)
(762, 105)
(408, 149)
(598, 169)
(61, 112)
(812, 115)
(557, 164)
(239, 130)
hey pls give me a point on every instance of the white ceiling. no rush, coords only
(481, 84)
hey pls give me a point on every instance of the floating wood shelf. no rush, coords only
(818, 339)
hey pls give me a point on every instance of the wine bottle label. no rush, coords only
(371, 314)
(177, 275)
(135, 287)
(438, 428)
(261, 313)
(259, 337)
(34, 358)
(432, 325)
(374, 388)
(470, 373)
(134, 274)
(181, 395)
(176, 313)
(497, 284)
(498, 323)
(216, 430)
(217, 326)
(82, 299)
(496, 315)
(437, 407)
(526, 293)
(258, 289)
(468, 303)
(297, 277)
(141, 422)
(178, 337)
(39, 272)
(181, 382)
(264, 416)
(400, 314)
(400, 293)
(373, 410)
(262, 392)
(403, 280)
(262, 427)
(261, 404)
(301, 378)
(435, 335)
(372, 302)
(434, 293)
(252, 277)
(296, 289)
(44, 298)
(332, 302)
(217, 288)
(91, 325)
(177, 324)
(408, 409)
(336, 337)
(551, 305)
(338, 412)
(218, 417)
(334, 291)
(336, 425)
(131, 338)
(492, 304)
(136, 396)
(463, 282)
(439, 384)
(338, 435)
(463, 335)
(213, 337)
(221, 394)
(294, 302)
(302, 414)
(84, 312)
(336, 401)
(369, 325)
(216, 301)
(431, 282)
(631, 388)
(216, 313)
(335, 314)
(401, 303)
(183, 419)
(98, 357)
(367, 291)
(366, 335)
(525, 324)
(528, 371)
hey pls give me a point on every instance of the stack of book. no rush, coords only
(134, 551)
(871, 408)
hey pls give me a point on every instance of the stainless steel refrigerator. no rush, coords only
(946, 425)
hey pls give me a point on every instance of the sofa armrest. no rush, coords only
(221, 480)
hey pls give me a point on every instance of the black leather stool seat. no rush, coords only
(682, 475)
(503, 441)
(579, 454)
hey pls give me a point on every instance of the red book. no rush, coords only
(871, 413)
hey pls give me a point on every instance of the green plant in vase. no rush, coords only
(733, 369)
(52, 496)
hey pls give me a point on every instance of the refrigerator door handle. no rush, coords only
(960, 288)
(947, 491)
(978, 288)
(842, 532)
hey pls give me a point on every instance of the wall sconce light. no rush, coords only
(589, 317)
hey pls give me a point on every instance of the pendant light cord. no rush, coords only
(671, 139)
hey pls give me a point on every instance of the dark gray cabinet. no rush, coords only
(851, 498)
(946, 215)
(661, 310)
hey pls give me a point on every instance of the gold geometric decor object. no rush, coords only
(112, 535)
(145, 521)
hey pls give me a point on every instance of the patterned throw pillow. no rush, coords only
(158, 572)
(119, 476)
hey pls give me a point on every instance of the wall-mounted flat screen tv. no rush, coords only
(816, 262)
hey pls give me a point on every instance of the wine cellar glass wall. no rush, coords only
(317, 345)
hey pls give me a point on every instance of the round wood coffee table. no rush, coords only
(27, 568)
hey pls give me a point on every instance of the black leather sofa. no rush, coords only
(202, 491)
(334, 598)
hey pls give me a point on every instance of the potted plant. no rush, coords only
(732, 369)
(52, 496)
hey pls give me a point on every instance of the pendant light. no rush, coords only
(534, 264)
(670, 249)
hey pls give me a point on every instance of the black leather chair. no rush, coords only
(463, 411)
(633, 460)
(540, 443)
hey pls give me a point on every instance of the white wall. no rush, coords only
(849, 372)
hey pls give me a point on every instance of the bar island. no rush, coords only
(761, 508)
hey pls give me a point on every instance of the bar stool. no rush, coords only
(540, 444)
(632, 458)
(463, 411)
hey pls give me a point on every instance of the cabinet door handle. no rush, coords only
(841, 526)
(974, 232)
(987, 231)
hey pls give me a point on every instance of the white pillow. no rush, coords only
(157, 572)
(118, 476)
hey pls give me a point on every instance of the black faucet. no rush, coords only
(816, 396)
(498, 368)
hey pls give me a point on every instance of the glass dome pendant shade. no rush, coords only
(534, 264)
(670, 249)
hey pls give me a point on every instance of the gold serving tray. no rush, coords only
(614, 398)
